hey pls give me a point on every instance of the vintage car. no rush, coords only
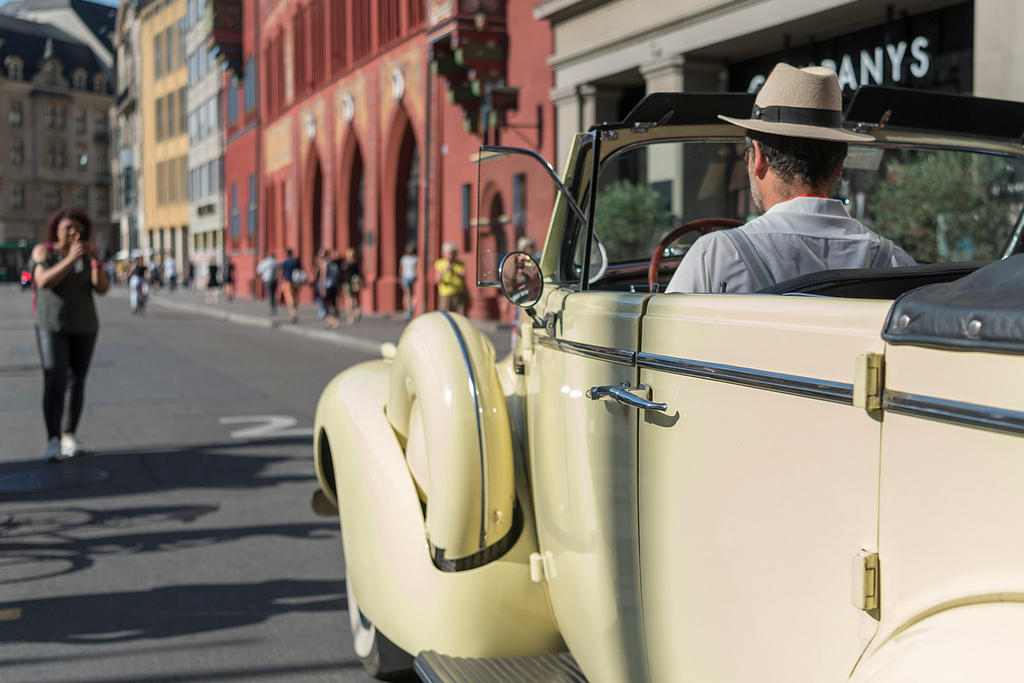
(822, 481)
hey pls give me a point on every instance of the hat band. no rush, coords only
(800, 115)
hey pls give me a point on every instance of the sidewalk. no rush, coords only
(367, 335)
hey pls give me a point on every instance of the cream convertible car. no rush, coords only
(821, 482)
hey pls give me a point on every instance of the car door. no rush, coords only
(757, 485)
(584, 473)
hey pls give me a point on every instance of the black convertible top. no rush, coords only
(903, 108)
(981, 312)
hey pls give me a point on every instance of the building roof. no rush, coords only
(98, 18)
(30, 41)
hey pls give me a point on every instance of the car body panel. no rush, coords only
(950, 493)
(583, 465)
(749, 511)
(492, 609)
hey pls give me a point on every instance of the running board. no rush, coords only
(432, 667)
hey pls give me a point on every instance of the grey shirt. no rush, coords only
(803, 235)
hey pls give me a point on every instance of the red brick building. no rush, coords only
(369, 114)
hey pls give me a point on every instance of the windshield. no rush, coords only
(939, 205)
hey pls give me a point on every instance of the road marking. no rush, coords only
(269, 427)
(10, 614)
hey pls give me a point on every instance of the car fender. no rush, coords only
(974, 642)
(446, 404)
(492, 610)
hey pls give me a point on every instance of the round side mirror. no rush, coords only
(521, 281)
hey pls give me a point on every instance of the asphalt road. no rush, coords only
(183, 547)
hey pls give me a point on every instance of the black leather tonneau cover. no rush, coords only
(981, 312)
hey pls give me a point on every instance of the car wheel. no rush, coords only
(381, 658)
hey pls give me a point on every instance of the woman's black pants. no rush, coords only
(65, 359)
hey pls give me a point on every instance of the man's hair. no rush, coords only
(289, 253)
(811, 161)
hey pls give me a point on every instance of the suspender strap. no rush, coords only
(884, 254)
(756, 266)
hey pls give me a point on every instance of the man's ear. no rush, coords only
(760, 161)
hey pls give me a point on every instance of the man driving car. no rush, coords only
(795, 148)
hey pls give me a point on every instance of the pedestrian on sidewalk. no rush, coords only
(351, 285)
(451, 280)
(407, 272)
(293, 277)
(138, 288)
(267, 270)
(66, 270)
(212, 283)
(332, 285)
(171, 273)
(228, 279)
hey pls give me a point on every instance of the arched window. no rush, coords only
(80, 79)
(99, 83)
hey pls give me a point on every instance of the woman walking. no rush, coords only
(66, 269)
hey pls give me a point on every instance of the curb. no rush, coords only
(348, 341)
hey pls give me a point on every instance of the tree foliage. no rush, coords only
(631, 219)
(945, 206)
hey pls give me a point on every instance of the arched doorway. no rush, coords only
(316, 213)
(356, 196)
(310, 237)
(407, 193)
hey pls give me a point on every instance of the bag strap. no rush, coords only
(884, 254)
(756, 266)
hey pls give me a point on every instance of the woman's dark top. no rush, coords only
(350, 270)
(212, 280)
(67, 307)
(229, 273)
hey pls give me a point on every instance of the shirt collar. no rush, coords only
(808, 204)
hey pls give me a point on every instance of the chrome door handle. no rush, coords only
(626, 395)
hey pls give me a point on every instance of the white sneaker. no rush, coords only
(69, 446)
(53, 453)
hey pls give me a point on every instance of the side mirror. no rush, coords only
(520, 279)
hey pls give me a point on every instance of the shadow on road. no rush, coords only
(230, 465)
(44, 543)
(166, 612)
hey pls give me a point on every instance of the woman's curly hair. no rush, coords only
(76, 215)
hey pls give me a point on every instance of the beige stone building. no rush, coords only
(54, 144)
(163, 114)
(609, 53)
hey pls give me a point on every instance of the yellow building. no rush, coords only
(164, 131)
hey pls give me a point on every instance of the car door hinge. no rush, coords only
(868, 381)
(542, 566)
(866, 582)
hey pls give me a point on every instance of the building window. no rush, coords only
(99, 84)
(233, 100)
(414, 10)
(52, 197)
(160, 118)
(519, 202)
(80, 79)
(236, 214)
(103, 201)
(250, 218)
(249, 86)
(17, 195)
(170, 45)
(361, 34)
(299, 53)
(57, 154)
(181, 42)
(62, 117)
(50, 74)
(172, 118)
(182, 111)
(338, 30)
(17, 152)
(82, 198)
(14, 115)
(158, 54)
(15, 71)
(388, 22)
(81, 122)
(467, 196)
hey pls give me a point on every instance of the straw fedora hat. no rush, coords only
(800, 103)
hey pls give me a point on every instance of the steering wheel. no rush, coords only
(701, 225)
